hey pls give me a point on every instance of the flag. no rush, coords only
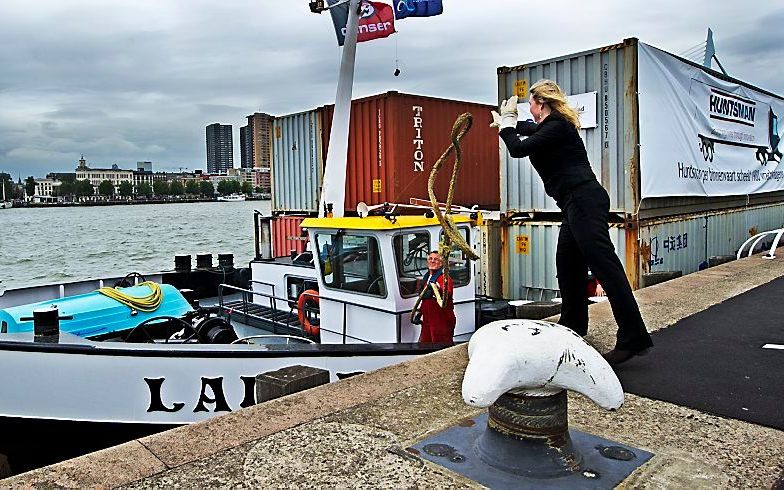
(417, 8)
(376, 20)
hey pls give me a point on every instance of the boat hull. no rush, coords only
(159, 383)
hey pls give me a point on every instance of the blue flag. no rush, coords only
(417, 8)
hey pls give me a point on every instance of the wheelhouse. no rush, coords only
(367, 272)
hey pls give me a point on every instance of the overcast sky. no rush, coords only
(131, 80)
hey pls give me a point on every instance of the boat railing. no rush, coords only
(758, 238)
(47, 292)
(248, 296)
(530, 294)
(287, 338)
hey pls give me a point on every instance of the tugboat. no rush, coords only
(152, 355)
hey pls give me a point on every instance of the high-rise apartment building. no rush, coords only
(256, 144)
(246, 147)
(259, 141)
(220, 149)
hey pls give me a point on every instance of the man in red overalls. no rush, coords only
(438, 315)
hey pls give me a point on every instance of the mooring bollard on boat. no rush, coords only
(521, 370)
(46, 324)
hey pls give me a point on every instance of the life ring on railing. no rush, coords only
(312, 296)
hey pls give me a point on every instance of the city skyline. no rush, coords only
(139, 81)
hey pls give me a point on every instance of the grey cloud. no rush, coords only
(127, 81)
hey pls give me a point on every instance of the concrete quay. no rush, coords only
(353, 433)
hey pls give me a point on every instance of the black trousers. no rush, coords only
(583, 243)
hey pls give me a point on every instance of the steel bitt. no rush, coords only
(529, 436)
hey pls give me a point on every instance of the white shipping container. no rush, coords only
(609, 78)
(297, 162)
(683, 244)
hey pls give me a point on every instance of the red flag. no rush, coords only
(376, 20)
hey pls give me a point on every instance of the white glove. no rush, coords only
(508, 114)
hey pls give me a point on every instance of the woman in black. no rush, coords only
(558, 154)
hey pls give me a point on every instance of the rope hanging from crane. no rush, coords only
(451, 234)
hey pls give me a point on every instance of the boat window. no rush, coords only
(351, 263)
(411, 250)
(459, 264)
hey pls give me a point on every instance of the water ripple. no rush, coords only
(100, 241)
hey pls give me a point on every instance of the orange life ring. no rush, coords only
(307, 295)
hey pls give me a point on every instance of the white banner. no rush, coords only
(585, 104)
(703, 136)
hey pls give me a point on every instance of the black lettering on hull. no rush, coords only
(216, 385)
(156, 402)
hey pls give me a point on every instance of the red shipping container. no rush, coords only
(395, 139)
(287, 235)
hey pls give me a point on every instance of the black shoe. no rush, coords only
(619, 356)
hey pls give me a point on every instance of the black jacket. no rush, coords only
(556, 152)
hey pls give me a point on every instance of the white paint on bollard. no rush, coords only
(539, 357)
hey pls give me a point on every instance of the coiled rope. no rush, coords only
(148, 303)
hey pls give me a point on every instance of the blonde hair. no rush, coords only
(548, 92)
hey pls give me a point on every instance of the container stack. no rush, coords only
(394, 140)
(688, 156)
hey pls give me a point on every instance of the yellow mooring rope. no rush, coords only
(148, 303)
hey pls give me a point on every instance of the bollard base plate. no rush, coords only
(605, 463)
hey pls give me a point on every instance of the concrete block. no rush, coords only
(537, 310)
(652, 278)
(720, 259)
(288, 380)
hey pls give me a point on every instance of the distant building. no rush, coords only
(144, 166)
(146, 177)
(220, 149)
(257, 138)
(45, 188)
(115, 174)
(61, 176)
(246, 147)
(257, 177)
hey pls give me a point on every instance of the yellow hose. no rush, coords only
(148, 303)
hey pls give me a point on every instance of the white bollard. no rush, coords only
(538, 357)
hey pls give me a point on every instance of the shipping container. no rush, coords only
(620, 123)
(488, 267)
(395, 139)
(287, 236)
(678, 245)
(528, 258)
(297, 162)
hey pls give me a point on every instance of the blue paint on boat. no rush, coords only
(97, 314)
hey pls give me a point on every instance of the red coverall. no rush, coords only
(438, 324)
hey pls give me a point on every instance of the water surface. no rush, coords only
(44, 245)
